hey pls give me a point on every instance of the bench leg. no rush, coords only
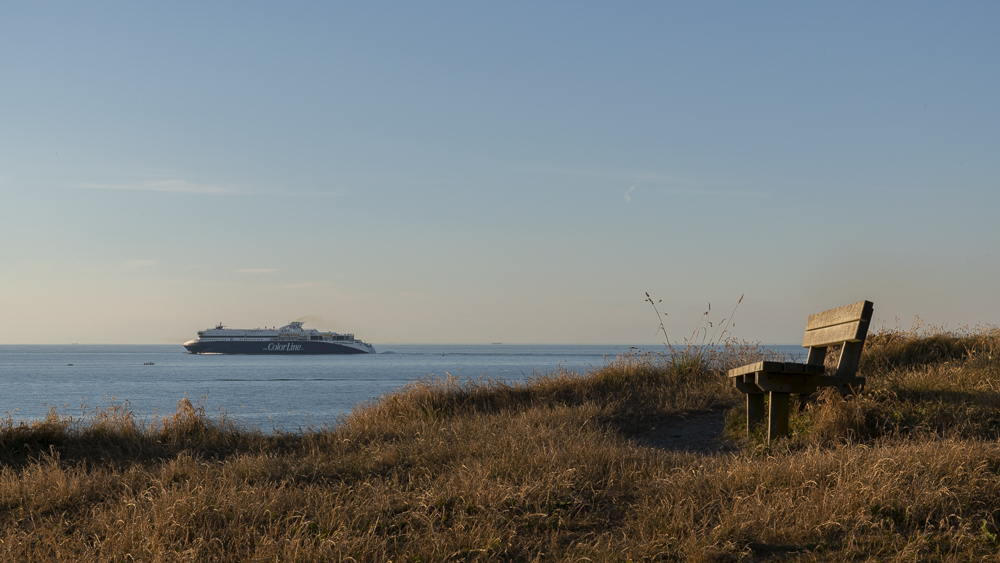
(755, 411)
(777, 416)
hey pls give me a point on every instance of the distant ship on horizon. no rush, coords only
(289, 339)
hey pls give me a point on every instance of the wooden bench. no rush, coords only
(846, 325)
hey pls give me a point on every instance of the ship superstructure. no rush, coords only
(289, 339)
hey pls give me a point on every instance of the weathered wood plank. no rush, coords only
(742, 370)
(776, 367)
(745, 386)
(849, 332)
(754, 368)
(777, 416)
(792, 368)
(860, 311)
(786, 383)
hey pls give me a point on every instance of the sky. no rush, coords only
(474, 172)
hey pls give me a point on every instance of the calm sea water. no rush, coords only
(270, 392)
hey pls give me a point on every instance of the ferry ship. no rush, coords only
(289, 339)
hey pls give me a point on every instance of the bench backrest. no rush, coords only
(847, 325)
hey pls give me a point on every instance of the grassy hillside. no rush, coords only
(454, 470)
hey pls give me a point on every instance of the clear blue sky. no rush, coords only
(494, 172)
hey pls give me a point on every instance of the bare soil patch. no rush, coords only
(700, 432)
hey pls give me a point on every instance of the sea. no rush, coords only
(272, 393)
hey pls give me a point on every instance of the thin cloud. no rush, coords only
(628, 193)
(186, 187)
(171, 186)
(322, 193)
(257, 270)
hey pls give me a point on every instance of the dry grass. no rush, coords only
(458, 470)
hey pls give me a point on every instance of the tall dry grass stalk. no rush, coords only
(488, 470)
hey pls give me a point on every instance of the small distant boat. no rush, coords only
(147, 363)
(69, 364)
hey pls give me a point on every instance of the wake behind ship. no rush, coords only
(289, 339)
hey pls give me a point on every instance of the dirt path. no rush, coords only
(696, 433)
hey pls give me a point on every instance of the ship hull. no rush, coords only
(258, 347)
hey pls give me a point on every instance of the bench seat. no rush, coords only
(777, 367)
